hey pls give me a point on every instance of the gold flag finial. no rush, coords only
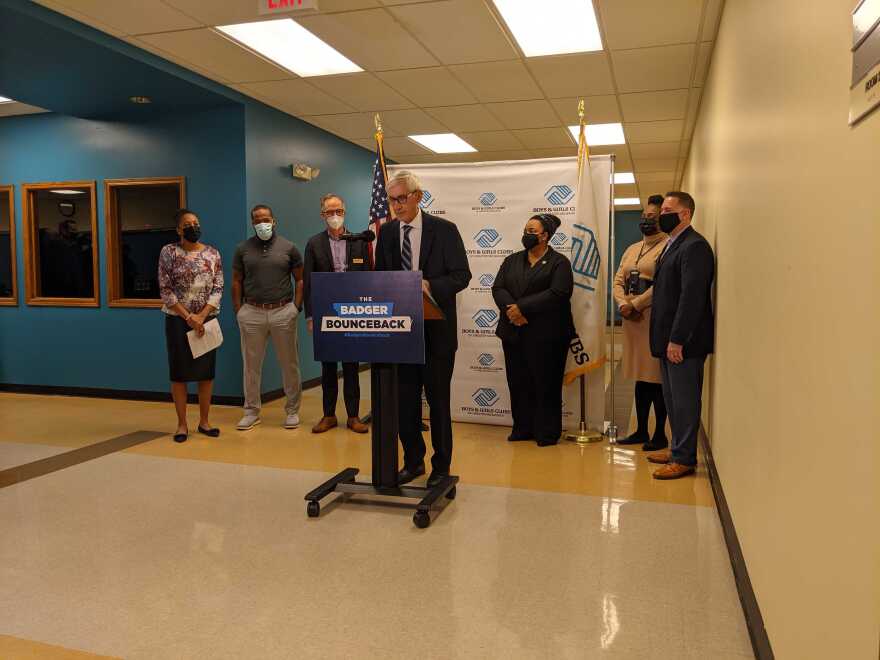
(378, 121)
(581, 110)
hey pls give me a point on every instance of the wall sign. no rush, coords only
(864, 93)
(269, 7)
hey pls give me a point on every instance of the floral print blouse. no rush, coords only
(193, 279)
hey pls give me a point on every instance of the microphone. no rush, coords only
(363, 236)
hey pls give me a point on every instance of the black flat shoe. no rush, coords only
(436, 478)
(180, 437)
(213, 433)
(519, 437)
(633, 439)
(408, 474)
(547, 443)
(656, 444)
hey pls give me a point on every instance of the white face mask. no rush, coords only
(264, 230)
(335, 221)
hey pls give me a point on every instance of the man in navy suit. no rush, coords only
(423, 242)
(682, 330)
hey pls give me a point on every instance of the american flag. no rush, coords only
(379, 213)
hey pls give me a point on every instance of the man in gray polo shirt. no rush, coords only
(266, 304)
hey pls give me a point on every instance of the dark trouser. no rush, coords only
(436, 376)
(683, 391)
(351, 387)
(534, 378)
(647, 394)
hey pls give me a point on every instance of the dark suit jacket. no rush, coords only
(681, 308)
(443, 262)
(543, 294)
(319, 259)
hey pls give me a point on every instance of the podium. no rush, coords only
(376, 317)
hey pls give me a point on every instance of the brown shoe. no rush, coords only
(357, 425)
(660, 457)
(325, 424)
(674, 471)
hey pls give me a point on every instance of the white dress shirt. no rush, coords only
(415, 238)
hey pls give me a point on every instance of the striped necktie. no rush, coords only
(406, 249)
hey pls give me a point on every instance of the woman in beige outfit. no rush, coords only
(632, 293)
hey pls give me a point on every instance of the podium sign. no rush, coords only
(368, 317)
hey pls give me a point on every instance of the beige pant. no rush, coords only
(256, 326)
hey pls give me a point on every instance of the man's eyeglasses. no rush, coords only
(331, 212)
(401, 199)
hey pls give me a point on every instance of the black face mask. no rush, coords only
(648, 227)
(669, 221)
(529, 241)
(192, 233)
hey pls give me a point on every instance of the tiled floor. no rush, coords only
(203, 550)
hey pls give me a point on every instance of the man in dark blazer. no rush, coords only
(420, 241)
(327, 253)
(682, 330)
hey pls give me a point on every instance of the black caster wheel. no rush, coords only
(451, 494)
(313, 509)
(421, 519)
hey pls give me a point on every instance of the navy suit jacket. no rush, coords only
(444, 264)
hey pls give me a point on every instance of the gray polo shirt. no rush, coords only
(266, 268)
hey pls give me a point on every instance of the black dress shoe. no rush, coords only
(634, 439)
(436, 478)
(213, 433)
(180, 437)
(518, 436)
(408, 474)
(656, 444)
(546, 442)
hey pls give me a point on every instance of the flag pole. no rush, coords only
(583, 435)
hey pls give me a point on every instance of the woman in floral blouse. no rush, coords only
(191, 285)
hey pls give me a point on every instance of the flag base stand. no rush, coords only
(584, 436)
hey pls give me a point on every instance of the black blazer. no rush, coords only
(319, 259)
(543, 294)
(681, 308)
(443, 262)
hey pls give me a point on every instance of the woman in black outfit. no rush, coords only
(533, 291)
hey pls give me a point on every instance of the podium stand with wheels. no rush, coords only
(376, 317)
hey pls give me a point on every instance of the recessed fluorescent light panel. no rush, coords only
(552, 27)
(68, 192)
(627, 201)
(624, 177)
(443, 143)
(3, 99)
(599, 135)
(290, 45)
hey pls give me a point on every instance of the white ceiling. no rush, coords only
(452, 66)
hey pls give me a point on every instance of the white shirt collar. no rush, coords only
(416, 222)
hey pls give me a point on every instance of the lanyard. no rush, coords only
(643, 251)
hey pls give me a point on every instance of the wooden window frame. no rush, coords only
(32, 249)
(113, 236)
(11, 301)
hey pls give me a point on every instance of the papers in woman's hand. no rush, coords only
(212, 338)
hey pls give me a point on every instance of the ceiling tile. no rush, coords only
(555, 152)
(396, 147)
(597, 109)
(456, 32)
(362, 91)
(703, 55)
(586, 74)
(217, 13)
(14, 109)
(524, 114)
(498, 81)
(350, 126)
(653, 131)
(372, 39)
(126, 16)
(62, 8)
(164, 54)
(545, 138)
(466, 118)
(654, 164)
(654, 106)
(711, 18)
(643, 23)
(492, 140)
(215, 53)
(655, 150)
(626, 190)
(654, 179)
(427, 87)
(692, 110)
(298, 97)
(410, 122)
(649, 69)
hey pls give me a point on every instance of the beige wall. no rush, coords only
(787, 193)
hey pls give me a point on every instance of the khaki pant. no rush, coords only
(256, 325)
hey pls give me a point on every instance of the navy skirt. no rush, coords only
(182, 367)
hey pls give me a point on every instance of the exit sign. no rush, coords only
(284, 6)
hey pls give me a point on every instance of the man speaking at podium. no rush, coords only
(421, 241)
